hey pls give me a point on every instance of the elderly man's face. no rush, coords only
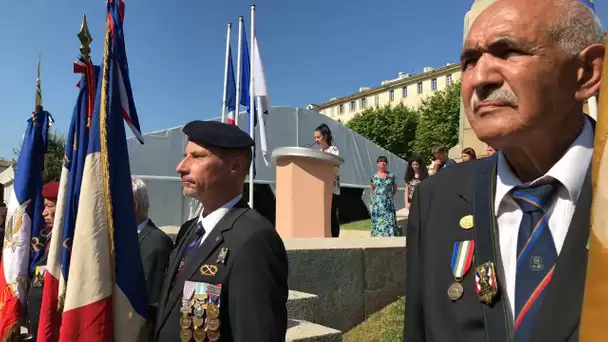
(48, 214)
(515, 78)
(204, 170)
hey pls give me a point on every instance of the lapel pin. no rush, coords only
(221, 258)
(485, 282)
(466, 222)
(208, 270)
(217, 239)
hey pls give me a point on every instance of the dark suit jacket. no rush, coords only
(155, 247)
(253, 278)
(433, 227)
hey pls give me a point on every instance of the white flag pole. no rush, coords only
(226, 73)
(238, 75)
(252, 104)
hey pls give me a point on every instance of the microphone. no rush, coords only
(309, 145)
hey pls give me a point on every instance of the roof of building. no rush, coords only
(388, 85)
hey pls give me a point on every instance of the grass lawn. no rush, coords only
(385, 325)
(357, 225)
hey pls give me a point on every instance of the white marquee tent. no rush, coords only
(155, 161)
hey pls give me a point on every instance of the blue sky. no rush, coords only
(312, 50)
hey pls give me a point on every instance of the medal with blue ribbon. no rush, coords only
(462, 258)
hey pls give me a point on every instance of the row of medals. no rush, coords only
(200, 320)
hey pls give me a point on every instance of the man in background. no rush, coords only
(154, 245)
(440, 153)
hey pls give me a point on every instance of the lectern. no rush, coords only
(304, 188)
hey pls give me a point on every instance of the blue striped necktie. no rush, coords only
(194, 241)
(536, 256)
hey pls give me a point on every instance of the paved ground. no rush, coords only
(354, 233)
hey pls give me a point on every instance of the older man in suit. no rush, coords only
(497, 247)
(154, 245)
(227, 278)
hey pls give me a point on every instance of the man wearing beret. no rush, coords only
(227, 277)
(50, 192)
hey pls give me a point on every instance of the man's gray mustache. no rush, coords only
(499, 95)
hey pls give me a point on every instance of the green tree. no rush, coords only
(439, 121)
(393, 128)
(53, 161)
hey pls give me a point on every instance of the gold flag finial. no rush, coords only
(85, 38)
(38, 89)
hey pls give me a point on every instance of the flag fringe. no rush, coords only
(105, 163)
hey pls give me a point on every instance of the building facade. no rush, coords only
(406, 89)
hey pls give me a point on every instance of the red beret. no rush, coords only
(50, 191)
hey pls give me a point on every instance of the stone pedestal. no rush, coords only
(304, 188)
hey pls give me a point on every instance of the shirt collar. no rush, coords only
(570, 170)
(142, 225)
(210, 221)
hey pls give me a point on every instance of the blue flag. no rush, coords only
(246, 86)
(28, 180)
(230, 85)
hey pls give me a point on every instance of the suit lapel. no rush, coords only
(497, 317)
(147, 229)
(560, 313)
(212, 241)
(173, 265)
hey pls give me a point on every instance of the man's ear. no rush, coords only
(589, 75)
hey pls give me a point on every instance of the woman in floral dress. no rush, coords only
(383, 189)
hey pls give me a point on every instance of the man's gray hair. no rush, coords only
(575, 27)
(140, 194)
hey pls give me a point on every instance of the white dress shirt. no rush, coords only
(570, 173)
(210, 221)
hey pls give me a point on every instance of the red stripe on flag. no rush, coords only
(10, 308)
(90, 323)
(50, 317)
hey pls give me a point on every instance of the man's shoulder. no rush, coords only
(459, 175)
(252, 230)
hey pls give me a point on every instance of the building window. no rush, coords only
(434, 84)
(341, 108)
(333, 111)
(353, 106)
(376, 100)
(448, 79)
(404, 92)
(363, 103)
(420, 87)
(391, 95)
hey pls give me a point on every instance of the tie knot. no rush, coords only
(198, 229)
(536, 198)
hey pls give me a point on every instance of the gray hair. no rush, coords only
(140, 194)
(575, 27)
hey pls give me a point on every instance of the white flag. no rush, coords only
(261, 96)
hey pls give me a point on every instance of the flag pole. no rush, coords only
(239, 61)
(38, 106)
(252, 104)
(226, 73)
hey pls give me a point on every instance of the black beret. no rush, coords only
(217, 134)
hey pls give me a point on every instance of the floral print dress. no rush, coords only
(384, 219)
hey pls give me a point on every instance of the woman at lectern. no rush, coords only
(324, 138)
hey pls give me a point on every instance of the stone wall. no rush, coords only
(353, 277)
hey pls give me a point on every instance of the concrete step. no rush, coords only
(304, 331)
(301, 305)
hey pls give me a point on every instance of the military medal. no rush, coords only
(485, 282)
(213, 311)
(213, 335)
(185, 322)
(466, 222)
(221, 258)
(185, 335)
(462, 258)
(199, 335)
(213, 324)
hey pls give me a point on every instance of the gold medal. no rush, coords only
(213, 311)
(199, 335)
(185, 335)
(213, 335)
(185, 322)
(213, 323)
(455, 291)
(198, 321)
(466, 222)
